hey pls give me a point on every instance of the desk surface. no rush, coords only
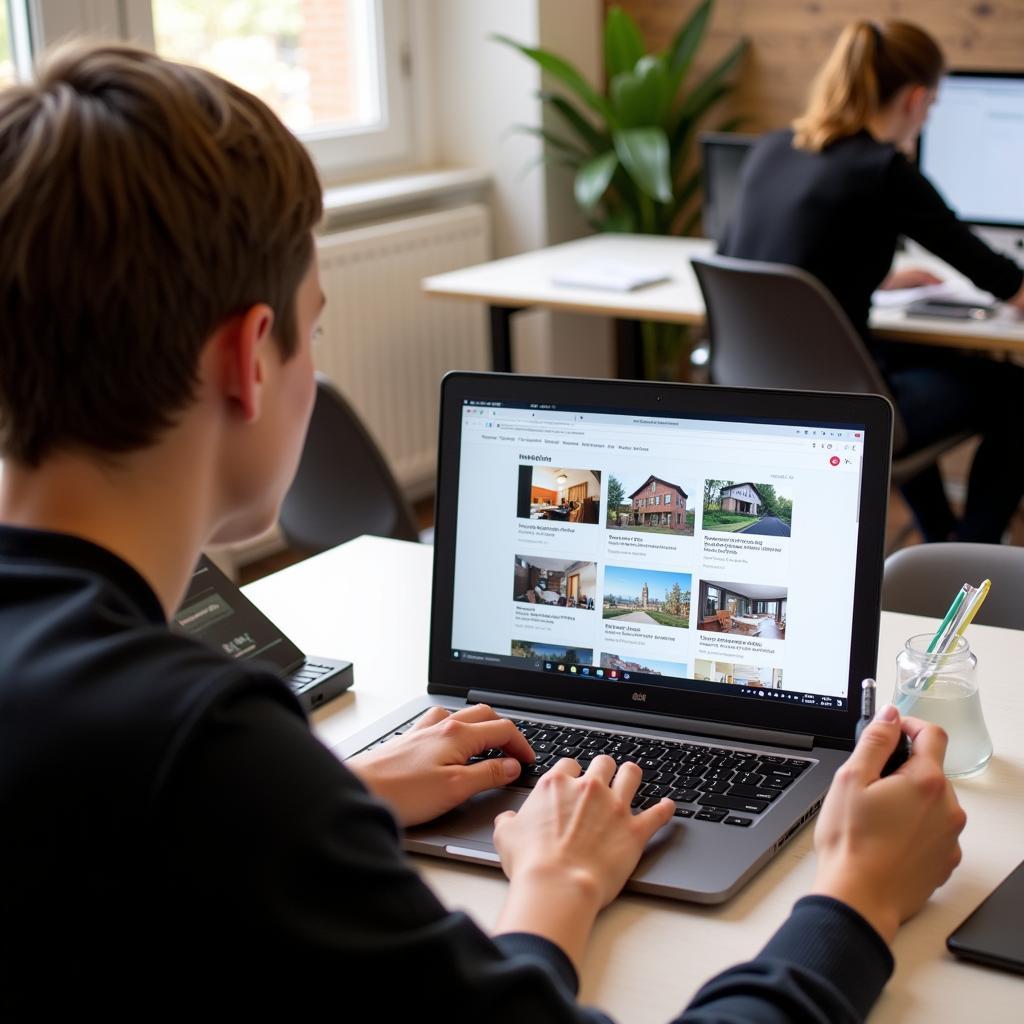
(526, 280)
(634, 969)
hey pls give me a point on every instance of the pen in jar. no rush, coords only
(867, 714)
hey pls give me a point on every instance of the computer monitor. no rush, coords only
(722, 156)
(972, 146)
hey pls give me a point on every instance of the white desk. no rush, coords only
(636, 968)
(525, 281)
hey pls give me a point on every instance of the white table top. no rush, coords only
(526, 280)
(634, 968)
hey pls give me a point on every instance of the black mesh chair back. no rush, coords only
(343, 487)
(775, 326)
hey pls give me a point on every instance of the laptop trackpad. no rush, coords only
(473, 820)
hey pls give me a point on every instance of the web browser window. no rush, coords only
(714, 555)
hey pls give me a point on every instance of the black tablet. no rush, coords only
(992, 935)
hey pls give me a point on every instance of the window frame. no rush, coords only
(338, 152)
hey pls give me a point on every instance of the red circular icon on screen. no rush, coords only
(834, 460)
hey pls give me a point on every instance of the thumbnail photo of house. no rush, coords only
(562, 495)
(658, 505)
(733, 673)
(755, 510)
(627, 667)
(539, 653)
(747, 609)
(648, 596)
(555, 582)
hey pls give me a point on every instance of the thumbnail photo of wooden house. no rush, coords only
(747, 609)
(555, 582)
(559, 494)
(660, 504)
(755, 510)
(647, 596)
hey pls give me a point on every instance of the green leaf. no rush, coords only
(639, 97)
(686, 125)
(710, 87)
(565, 73)
(644, 154)
(593, 178)
(679, 56)
(623, 44)
(594, 139)
(547, 160)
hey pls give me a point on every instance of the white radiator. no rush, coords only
(385, 344)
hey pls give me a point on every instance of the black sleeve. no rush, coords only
(278, 859)
(281, 857)
(922, 214)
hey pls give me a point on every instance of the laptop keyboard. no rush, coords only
(706, 783)
(306, 675)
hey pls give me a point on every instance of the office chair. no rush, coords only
(924, 579)
(343, 487)
(776, 326)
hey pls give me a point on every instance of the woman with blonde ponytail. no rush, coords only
(832, 195)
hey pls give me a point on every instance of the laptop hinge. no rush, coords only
(666, 723)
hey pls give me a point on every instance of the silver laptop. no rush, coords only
(686, 577)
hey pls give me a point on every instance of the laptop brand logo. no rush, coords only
(640, 696)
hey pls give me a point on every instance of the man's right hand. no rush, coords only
(885, 845)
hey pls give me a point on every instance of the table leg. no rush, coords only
(629, 338)
(501, 338)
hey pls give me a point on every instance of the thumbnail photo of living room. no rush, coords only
(651, 504)
(755, 510)
(734, 674)
(746, 609)
(627, 667)
(539, 653)
(561, 495)
(647, 596)
(555, 582)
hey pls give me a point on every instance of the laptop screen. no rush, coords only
(696, 553)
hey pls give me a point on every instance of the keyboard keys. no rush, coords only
(683, 812)
(733, 803)
(710, 814)
(755, 792)
(735, 819)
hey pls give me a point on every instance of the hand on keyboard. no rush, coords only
(424, 772)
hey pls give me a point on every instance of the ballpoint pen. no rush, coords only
(867, 714)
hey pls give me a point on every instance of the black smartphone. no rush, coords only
(954, 309)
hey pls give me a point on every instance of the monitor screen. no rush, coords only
(722, 156)
(972, 147)
(713, 554)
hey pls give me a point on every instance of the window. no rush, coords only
(15, 52)
(6, 54)
(335, 71)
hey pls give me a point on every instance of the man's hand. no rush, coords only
(884, 845)
(423, 773)
(910, 277)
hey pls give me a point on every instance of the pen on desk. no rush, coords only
(953, 609)
(867, 713)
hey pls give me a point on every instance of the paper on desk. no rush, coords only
(896, 298)
(610, 275)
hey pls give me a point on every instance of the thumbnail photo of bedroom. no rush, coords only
(558, 494)
(555, 582)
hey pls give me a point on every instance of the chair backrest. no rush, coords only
(343, 487)
(924, 579)
(776, 326)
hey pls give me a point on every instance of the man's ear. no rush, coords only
(243, 342)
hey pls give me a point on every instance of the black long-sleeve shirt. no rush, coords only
(838, 214)
(175, 840)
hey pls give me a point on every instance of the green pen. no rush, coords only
(953, 609)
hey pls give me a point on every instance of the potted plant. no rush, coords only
(630, 147)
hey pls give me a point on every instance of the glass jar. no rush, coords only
(943, 688)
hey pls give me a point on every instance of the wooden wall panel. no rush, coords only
(790, 39)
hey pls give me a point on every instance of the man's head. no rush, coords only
(144, 206)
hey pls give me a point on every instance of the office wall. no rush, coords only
(790, 38)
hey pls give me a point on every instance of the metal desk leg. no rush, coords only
(501, 338)
(629, 338)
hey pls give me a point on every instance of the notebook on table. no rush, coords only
(710, 614)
